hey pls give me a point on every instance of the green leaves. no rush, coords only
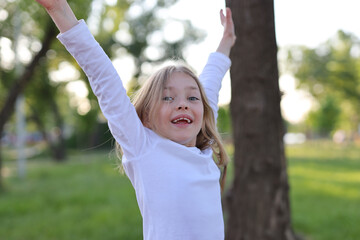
(331, 74)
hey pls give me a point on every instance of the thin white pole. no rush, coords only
(20, 105)
(21, 135)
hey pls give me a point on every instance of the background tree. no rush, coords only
(258, 202)
(330, 71)
(324, 120)
(36, 34)
(148, 45)
(224, 120)
(15, 83)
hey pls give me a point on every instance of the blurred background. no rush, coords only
(58, 167)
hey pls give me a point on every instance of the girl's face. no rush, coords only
(180, 114)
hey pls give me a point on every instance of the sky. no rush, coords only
(298, 22)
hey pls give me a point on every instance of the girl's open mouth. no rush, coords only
(182, 119)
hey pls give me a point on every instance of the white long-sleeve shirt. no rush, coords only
(177, 187)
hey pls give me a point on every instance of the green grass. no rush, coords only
(86, 198)
(325, 190)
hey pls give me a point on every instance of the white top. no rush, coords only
(177, 187)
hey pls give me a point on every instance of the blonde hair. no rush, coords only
(146, 101)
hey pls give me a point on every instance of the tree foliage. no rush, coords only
(331, 74)
(31, 34)
(224, 120)
(324, 120)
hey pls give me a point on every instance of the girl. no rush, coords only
(168, 138)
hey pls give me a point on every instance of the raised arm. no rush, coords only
(105, 82)
(218, 62)
(61, 13)
(229, 37)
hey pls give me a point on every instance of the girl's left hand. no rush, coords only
(229, 29)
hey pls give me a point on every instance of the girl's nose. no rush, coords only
(182, 105)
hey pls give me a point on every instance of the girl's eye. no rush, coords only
(168, 99)
(193, 98)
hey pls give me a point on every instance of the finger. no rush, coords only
(222, 17)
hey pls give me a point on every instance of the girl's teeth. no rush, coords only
(186, 119)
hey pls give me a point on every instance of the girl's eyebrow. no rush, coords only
(188, 87)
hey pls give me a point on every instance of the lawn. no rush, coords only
(86, 198)
(325, 190)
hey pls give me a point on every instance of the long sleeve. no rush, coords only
(106, 84)
(211, 78)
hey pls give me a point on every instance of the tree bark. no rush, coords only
(19, 85)
(258, 201)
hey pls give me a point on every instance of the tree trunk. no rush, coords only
(1, 179)
(57, 147)
(258, 202)
(20, 83)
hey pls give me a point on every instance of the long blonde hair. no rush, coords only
(146, 102)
